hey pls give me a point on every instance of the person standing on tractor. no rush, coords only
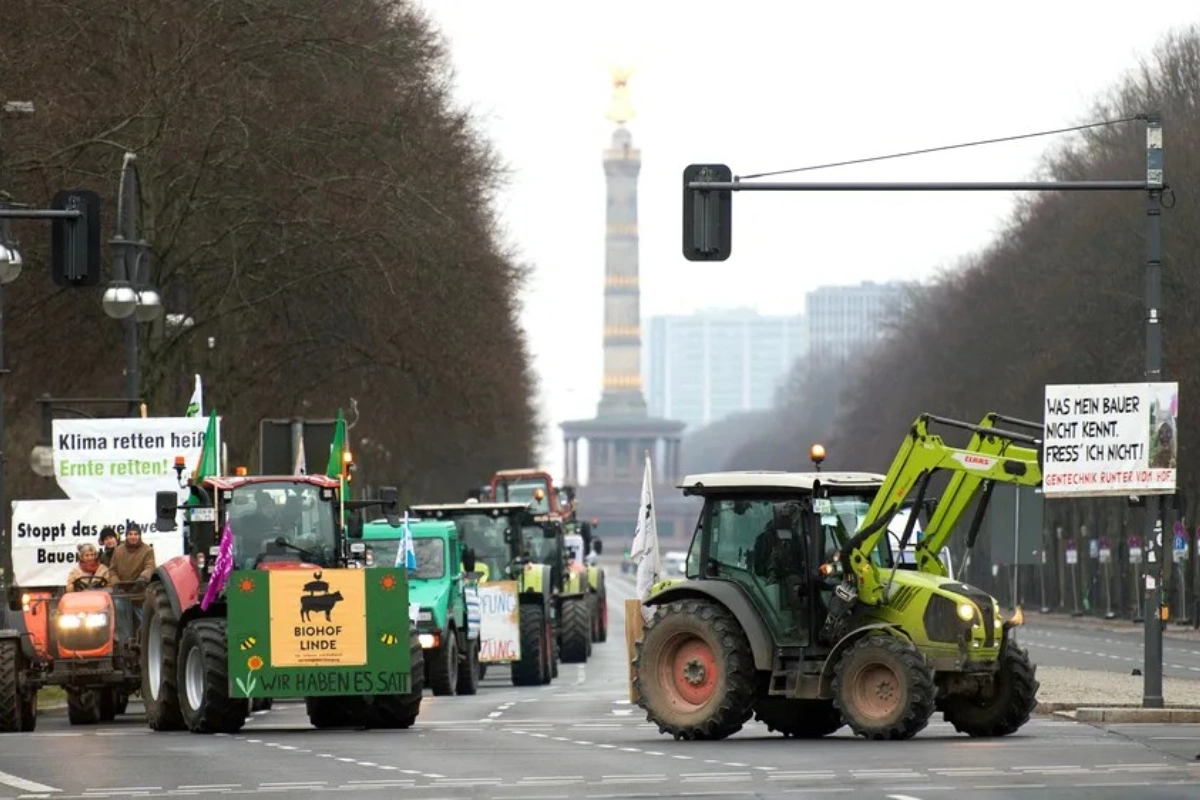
(88, 573)
(108, 543)
(133, 562)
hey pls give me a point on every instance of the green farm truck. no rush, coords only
(443, 595)
(795, 610)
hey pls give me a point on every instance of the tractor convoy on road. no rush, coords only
(800, 603)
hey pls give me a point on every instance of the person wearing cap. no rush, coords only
(108, 543)
(88, 570)
(133, 560)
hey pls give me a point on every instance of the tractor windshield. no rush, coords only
(536, 546)
(261, 514)
(486, 536)
(430, 551)
(849, 511)
(521, 490)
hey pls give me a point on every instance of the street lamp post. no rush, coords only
(130, 297)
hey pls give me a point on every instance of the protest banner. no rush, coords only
(500, 628)
(1110, 439)
(46, 533)
(99, 459)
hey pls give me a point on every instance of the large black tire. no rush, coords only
(109, 699)
(531, 670)
(469, 673)
(884, 688)
(692, 671)
(602, 608)
(576, 631)
(336, 712)
(1008, 707)
(159, 645)
(84, 706)
(18, 714)
(400, 711)
(798, 719)
(203, 679)
(441, 668)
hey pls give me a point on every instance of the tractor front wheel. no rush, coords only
(1007, 706)
(204, 680)
(883, 688)
(533, 667)
(693, 672)
(468, 672)
(160, 643)
(442, 665)
(576, 630)
(798, 719)
(84, 706)
(18, 713)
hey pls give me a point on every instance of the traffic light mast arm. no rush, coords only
(962, 490)
(920, 456)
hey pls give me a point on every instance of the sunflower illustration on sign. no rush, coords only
(388, 582)
(253, 664)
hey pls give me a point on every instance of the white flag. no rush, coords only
(645, 542)
(195, 406)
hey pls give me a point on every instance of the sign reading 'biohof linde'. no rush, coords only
(101, 459)
(1110, 439)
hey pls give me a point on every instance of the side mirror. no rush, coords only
(389, 498)
(597, 546)
(354, 527)
(165, 506)
(549, 532)
(468, 560)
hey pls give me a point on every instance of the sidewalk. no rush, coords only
(1102, 696)
(1035, 619)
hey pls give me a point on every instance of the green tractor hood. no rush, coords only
(432, 596)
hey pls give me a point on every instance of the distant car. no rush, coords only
(675, 563)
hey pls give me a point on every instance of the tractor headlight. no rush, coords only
(966, 612)
(75, 621)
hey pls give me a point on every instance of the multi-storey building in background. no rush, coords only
(709, 365)
(841, 319)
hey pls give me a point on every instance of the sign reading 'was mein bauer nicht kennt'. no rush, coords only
(1110, 439)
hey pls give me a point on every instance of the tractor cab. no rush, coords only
(503, 536)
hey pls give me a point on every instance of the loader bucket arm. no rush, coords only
(964, 486)
(924, 453)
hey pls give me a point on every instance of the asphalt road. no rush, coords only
(1060, 645)
(580, 738)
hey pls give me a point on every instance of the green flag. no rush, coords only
(338, 448)
(209, 463)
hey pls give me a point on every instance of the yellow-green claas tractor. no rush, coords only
(795, 610)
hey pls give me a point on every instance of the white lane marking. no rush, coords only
(902, 797)
(27, 785)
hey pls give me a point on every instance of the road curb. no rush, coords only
(1127, 714)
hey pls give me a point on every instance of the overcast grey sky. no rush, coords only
(763, 85)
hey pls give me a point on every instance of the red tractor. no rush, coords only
(83, 641)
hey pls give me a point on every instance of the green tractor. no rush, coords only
(512, 548)
(443, 595)
(796, 610)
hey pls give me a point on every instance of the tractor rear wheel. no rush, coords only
(17, 714)
(1008, 706)
(693, 672)
(442, 665)
(531, 669)
(399, 711)
(798, 719)
(883, 688)
(468, 671)
(602, 625)
(576, 630)
(160, 643)
(204, 680)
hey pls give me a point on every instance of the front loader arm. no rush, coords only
(922, 454)
(965, 485)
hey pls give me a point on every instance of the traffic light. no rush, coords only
(75, 243)
(707, 214)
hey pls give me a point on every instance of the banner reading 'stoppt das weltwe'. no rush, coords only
(47, 533)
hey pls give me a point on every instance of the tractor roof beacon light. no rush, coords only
(180, 466)
(241, 472)
(817, 454)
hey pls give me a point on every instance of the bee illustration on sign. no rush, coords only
(247, 643)
(388, 638)
(318, 599)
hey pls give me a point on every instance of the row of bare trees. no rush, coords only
(316, 203)
(1056, 299)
